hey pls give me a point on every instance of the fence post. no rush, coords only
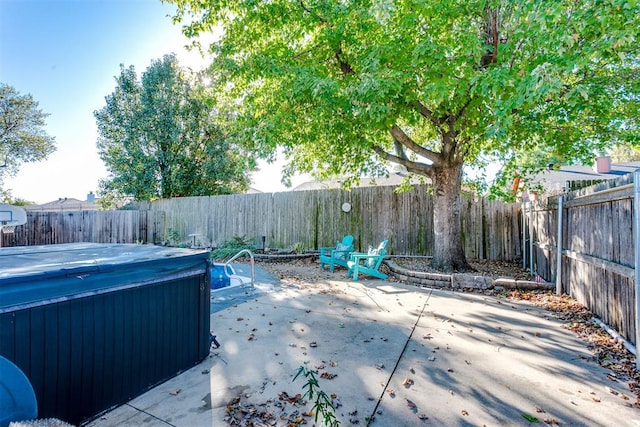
(524, 233)
(636, 246)
(531, 267)
(559, 249)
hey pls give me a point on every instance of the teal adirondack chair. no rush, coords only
(338, 254)
(368, 263)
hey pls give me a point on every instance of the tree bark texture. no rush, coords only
(448, 252)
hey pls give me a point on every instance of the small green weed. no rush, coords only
(229, 248)
(322, 405)
(172, 236)
(298, 248)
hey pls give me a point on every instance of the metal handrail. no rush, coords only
(243, 251)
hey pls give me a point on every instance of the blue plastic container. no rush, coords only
(220, 276)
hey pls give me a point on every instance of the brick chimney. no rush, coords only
(603, 164)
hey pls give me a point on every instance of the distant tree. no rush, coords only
(22, 135)
(7, 197)
(159, 139)
(625, 153)
(347, 86)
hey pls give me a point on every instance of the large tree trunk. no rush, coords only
(448, 252)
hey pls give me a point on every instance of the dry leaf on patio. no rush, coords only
(391, 393)
(408, 382)
(464, 412)
(328, 376)
(411, 405)
(175, 392)
(239, 319)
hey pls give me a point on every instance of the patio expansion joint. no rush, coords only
(150, 415)
(404, 349)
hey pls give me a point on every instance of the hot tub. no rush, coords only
(94, 325)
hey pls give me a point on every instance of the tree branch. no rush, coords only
(345, 67)
(427, 113)
(413, 167)
(310, 12)
(401, 137)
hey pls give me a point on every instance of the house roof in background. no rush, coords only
(64, 204)
(393, 179)
(555, 180)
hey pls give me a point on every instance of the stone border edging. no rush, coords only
(281, 257)
(460, 281)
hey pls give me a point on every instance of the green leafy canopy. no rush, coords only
(160, 138)
(22, 135)
(497, 76)
(347, 86)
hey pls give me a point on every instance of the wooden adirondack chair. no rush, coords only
(367, 263)
(338, 254)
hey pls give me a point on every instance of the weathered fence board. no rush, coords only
(315, 218)
(45, 228)
(598, 250)
(312, 218)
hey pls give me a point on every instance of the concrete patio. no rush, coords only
(392, 354)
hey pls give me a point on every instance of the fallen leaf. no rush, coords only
(175, 392)
(328, 376)
(391, 393)
(464, 412)
(411, 405)
(239, 319)
(408, 382)
(530, 418)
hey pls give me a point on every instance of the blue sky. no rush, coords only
(65, 53)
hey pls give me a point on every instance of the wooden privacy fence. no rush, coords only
(318, 218)
(312, 218)
(45, 228)
(598, 261)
